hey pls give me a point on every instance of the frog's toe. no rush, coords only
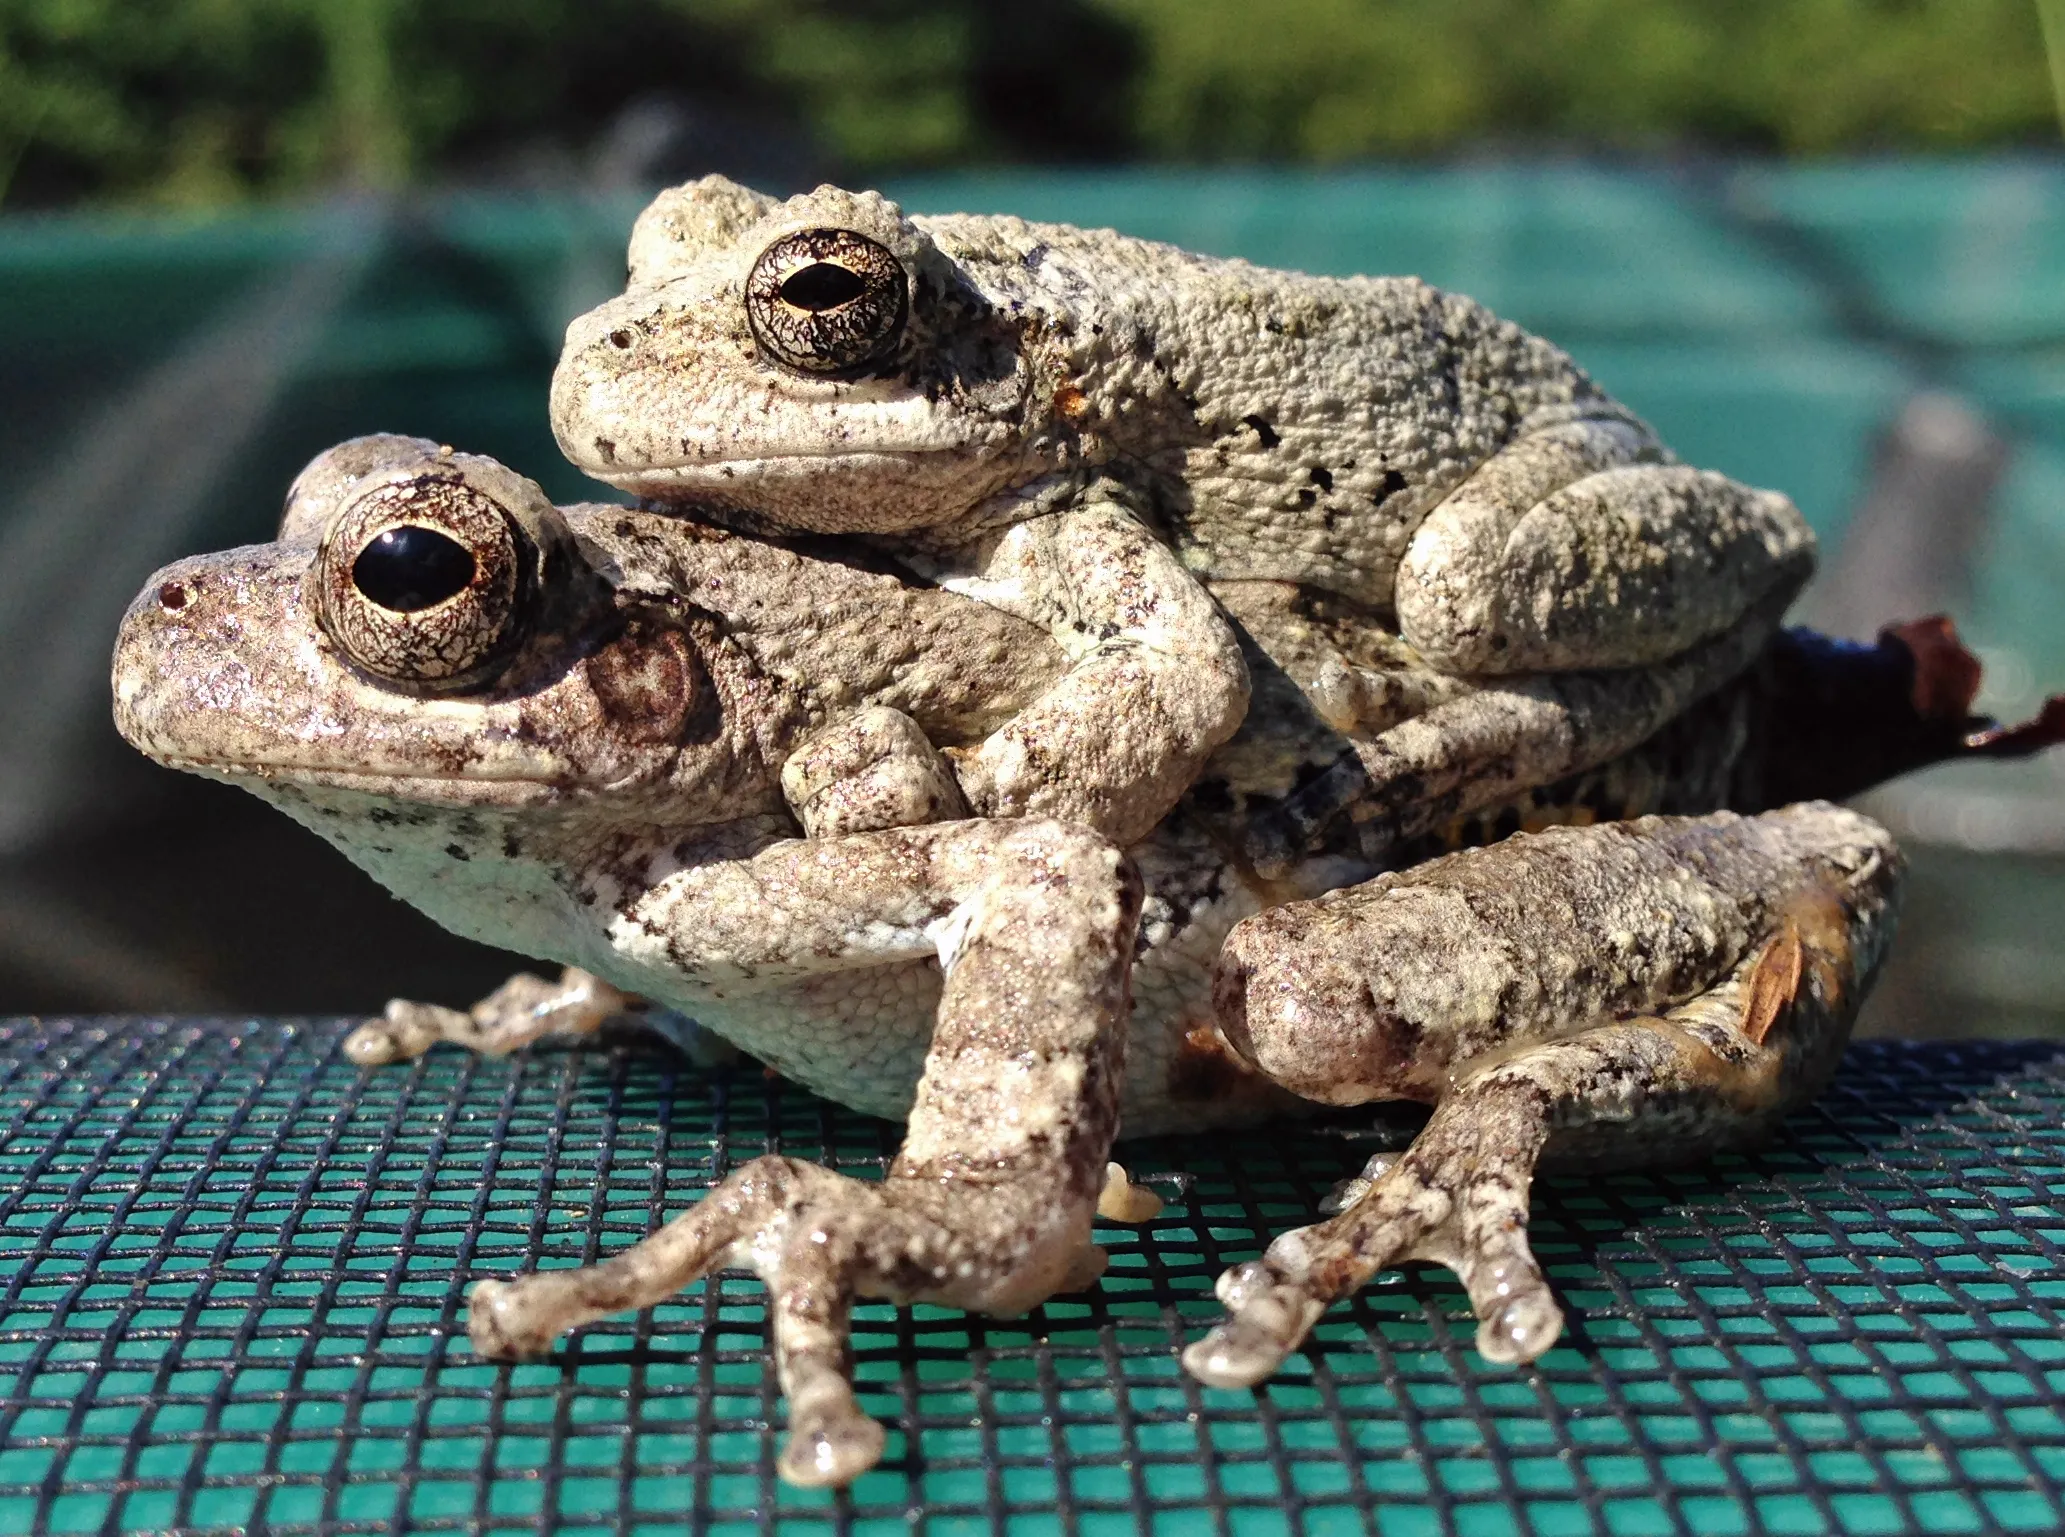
(1519, 1330)
(1271, 1317)
(833, 1454)
(831, 1441)
(403, 1033)
(502, 1322)
(1349, 1191)
(1484, 1241)
(527, 1008)
(1516, 1314)
(1274, 1301)
(371, 1045)
(1237, 1281)
(1123, 1201)
(518, 1320)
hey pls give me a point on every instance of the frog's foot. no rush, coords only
(521, 1011)
(1457, 1197)
(818, 1240)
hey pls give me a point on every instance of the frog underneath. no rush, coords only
(564, 731)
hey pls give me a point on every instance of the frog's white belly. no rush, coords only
(859, 1037)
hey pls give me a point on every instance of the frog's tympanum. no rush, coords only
(579, 732)
(1086, 429)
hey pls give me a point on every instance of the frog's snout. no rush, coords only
(196, 652)
(170, 619)
(612, 384)
(133, 647)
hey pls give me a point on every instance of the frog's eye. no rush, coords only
(422, 582)
(409, 568)
(827, 301)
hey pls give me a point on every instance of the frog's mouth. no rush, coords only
(875, 490)
(879, 460)
(232, 723)
(716, 477)
(428, 790)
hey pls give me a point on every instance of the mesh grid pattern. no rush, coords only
(234, 1269)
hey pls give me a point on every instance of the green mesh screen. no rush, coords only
(234, 1267)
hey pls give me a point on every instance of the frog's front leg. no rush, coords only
(1495, 740)
(988, 1204)
(872, 771)
(1156, 681)
(1578, 547)
(522, 1011)
(1627, 994)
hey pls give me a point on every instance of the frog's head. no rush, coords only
(430, 666)
(812, 364)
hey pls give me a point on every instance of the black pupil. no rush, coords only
(410, 568)
(822, 286)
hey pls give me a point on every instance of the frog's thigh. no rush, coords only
(1388, 989)
(1772, 993)
(1624, 566)
(1508, 736)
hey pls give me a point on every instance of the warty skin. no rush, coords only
(605, 789)
(1085, 429)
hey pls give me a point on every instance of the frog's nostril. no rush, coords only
(621, 340)
(173, 596)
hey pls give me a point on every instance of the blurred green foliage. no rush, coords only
(206, 101)
(1334, 79)
(2053, 14)
(201, 101)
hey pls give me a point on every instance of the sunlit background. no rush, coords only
(1820, 243)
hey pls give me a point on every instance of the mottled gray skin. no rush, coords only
(1061, 403)
(606, 790)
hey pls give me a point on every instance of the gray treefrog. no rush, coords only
(565, 731)
(1083, 428)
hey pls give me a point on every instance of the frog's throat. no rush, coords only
(489, 873)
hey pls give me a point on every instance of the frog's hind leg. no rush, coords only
(1620, 994)
(1490, 746)
(1458, 1197)
(522, 1011)
(1579, 546)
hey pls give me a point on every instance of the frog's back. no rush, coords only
(1341, 412)
(1288, 427)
